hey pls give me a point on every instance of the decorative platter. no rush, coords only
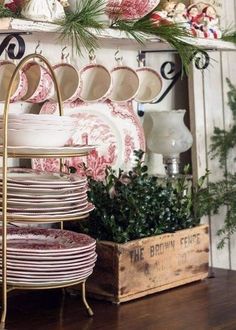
(115, 129)
(39, 239)
(130, 9)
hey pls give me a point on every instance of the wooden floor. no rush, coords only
(210, 304)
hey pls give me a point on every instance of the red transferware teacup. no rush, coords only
(125, 83)
(20, 84)
(39, 82)
(150, 85)
(68, 80)
(96, 81)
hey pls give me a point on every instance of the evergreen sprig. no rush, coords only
(225, 140)
(76, 26)
(224, 191)
(229, 36)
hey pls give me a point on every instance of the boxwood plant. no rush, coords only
(134, 205)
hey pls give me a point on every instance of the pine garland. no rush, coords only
(172, 33)
(76, 27)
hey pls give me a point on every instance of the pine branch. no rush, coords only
(229, 36)
(76, 26)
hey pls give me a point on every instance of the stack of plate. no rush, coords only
(48, 256)
(38, 131)
(34, 195)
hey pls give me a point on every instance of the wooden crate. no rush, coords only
(135, 269)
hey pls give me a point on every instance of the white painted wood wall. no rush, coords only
(208, 108)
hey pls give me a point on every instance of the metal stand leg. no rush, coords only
(2, 326)
(4, 309)
(89, 310)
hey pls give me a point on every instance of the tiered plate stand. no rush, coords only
(7, 153)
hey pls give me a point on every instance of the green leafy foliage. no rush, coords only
(223, 192)
(134, 205)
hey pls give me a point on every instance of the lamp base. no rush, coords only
(171, 165)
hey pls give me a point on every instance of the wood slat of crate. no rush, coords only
(135, 269)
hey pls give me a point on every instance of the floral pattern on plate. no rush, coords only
(130, 9)
(115, 129)
(46, 239)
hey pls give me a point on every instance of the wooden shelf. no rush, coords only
(111, 37)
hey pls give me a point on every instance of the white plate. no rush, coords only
(45, 218)
(47, 258)
(78, 149)
(57, 197)
(45, 186)
(84, 255)
(44, 207)
(43, 191)
(46, 212)
(47, 202)
(115, 128)
(39, 267)
(50, 274)
(27, 176)
(17, 281)
(81, 255)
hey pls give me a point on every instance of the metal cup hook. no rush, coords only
(118, 57)
(63, 54)
(92, 55)
(141, 59)
(37, 49)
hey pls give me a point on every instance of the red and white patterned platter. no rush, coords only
(115, 129)
(40, 240)
(44, 256)
(130, 9)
